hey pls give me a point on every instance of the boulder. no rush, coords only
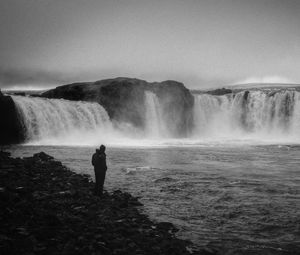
(42, 156)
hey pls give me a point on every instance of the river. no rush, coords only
(238, 198)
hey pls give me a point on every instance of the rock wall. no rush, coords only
(124, 100)
(11, 130)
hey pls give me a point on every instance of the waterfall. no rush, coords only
(259, 114)
(154, 119)
(61, 121)
(211, 114)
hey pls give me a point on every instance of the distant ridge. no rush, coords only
(263, 85)
(227, 89)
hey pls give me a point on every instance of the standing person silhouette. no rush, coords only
(99, 163)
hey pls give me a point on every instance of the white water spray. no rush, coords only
(155, 121)
(58, 121)
(257, 115)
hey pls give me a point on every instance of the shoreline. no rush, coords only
(48, 209)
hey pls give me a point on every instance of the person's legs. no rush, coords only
(101, 181)
(97, 183)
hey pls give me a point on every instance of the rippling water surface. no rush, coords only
(240, 199)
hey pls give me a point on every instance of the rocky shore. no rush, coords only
(48, 209)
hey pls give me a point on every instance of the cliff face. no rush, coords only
(11, 130)
(124, 100)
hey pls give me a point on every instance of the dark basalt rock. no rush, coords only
(246, 95)
(42, 156)
(11, 130)
(48, 209)
(219, 92)
(124, 100)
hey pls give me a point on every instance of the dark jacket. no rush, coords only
(99, 161)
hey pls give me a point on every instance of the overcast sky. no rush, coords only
(201, 43)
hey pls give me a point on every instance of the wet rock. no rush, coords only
(42, 156)
(4, 155)
(167, 227)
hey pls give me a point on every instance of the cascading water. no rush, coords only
(210, 115)
(255, 114)
(155, 123)
(62, 122)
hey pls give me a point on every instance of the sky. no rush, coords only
(202, 43)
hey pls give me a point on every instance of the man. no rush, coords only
(99, 163)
